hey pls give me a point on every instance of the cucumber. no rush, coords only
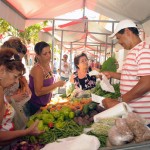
(86, 109)
(92, 106)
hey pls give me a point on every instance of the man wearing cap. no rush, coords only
(135, 75)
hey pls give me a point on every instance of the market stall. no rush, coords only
(79, 115)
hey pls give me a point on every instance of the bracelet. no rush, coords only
(120, 99)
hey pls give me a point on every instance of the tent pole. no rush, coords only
(106, 47)
(112, 43)
(53, 41)
(100, 54)
(62, 33)
(71, 55)
(84, 1)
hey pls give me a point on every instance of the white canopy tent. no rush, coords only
(23, 13)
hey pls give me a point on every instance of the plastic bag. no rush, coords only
(138, 127)
(82, 142)
(120, 134)
(69, 88)
(124, 130)
(105, 84)
(20, 118)
(94, 73)
(115, 138)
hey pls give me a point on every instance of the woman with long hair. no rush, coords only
(41, 81)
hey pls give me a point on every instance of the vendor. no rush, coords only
(41, 81)
(81, 78)
(135, 75)
(11, 69)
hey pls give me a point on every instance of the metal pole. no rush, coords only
(71, 55)
(53, 41)
(61, 50)
(100, 53)
(112, 43)
(106, 47)
(84, 1)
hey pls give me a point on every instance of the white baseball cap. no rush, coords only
(122, 25)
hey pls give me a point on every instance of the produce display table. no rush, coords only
(68, 116)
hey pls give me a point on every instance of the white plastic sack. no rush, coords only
(82, 142)
(97, 99)
(105, 84)
(118, 110)
(94, 73)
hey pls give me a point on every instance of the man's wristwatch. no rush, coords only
(120, 99)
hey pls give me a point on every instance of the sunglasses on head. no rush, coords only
(14, 57)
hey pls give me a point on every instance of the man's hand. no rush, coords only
(108, 102)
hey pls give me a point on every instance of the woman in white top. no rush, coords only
(11, 69)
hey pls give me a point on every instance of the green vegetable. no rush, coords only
(29, 123)
(46, 121)
(77, 113)
(85, 109)
(66, 129)
(40, 125)
(92, 106)
(61, 118)
(102, 138)
(102, 127)
(45, 111)
(71, 115)
(46, 128)
(109, 65)
(47, 118)
(55, 114)
(33, 139)
(63, 95)
(66, 114)
(69, 88)
(98, 91)
(59, 125)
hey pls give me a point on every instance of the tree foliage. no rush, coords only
(30, 33)
(5, 27)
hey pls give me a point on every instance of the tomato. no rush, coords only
(51, 124)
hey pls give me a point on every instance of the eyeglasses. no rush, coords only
(84, 61)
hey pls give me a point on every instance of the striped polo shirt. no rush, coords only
(137, 63)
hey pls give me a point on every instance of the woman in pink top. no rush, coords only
(11, 69)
